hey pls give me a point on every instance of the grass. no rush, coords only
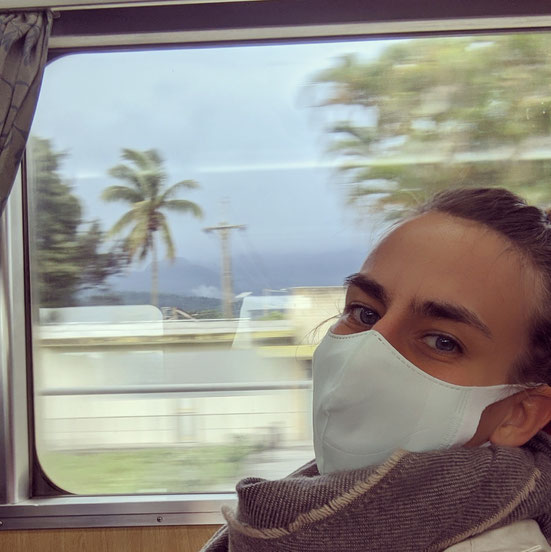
(178, 470)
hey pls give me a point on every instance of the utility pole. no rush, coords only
(224, 230)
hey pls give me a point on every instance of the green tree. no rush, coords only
(433, 113)
(69, 254)
(146, 192)
(103, 263)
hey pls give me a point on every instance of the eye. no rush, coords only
(363, 315)
(443, 343)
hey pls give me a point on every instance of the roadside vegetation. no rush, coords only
(163, 469)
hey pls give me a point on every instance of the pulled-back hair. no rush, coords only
(528, 229)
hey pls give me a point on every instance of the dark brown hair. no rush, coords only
(528, 229)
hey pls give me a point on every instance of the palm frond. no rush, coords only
(138, 241)
(167, 238)
(147, 161)
(184, 206)
(171, 192)
(124, 172)
(123, 222)
(190, 184)
(140, 158)
(153, 182)
(121, 193)
(155, 157)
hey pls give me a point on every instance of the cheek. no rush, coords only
(340, 328)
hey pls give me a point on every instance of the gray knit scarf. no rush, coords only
(412, 502)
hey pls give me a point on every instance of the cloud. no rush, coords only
(207, 291)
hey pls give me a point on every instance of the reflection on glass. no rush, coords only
(192, 226)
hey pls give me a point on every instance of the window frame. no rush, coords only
(99, 27)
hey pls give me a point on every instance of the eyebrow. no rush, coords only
(429, 309)
(369, 286)
(449, 311)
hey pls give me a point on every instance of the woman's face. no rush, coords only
(450, 295)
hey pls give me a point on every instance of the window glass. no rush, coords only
(194, 212)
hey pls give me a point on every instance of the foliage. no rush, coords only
(145, 191)
(178, 469)
(274, 315)
(69, 252)
(439, 112)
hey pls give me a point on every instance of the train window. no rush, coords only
(187, 238)
(193, 213)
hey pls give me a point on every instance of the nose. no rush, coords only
(393, 327)
(388, 328)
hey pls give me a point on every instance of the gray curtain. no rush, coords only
(23, 49)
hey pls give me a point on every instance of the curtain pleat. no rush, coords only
(23, 50)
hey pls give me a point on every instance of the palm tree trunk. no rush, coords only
(154, 274)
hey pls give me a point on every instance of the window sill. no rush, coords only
(115, 511)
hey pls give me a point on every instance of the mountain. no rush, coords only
(274, 271)
(181, 277)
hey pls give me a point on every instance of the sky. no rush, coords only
(240, 121)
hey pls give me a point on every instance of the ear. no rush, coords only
(527, 412)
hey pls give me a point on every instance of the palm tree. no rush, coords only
(148, 196)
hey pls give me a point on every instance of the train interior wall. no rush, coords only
(120, 539)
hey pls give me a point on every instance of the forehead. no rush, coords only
(439, 257)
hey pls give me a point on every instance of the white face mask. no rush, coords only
(369, 401)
